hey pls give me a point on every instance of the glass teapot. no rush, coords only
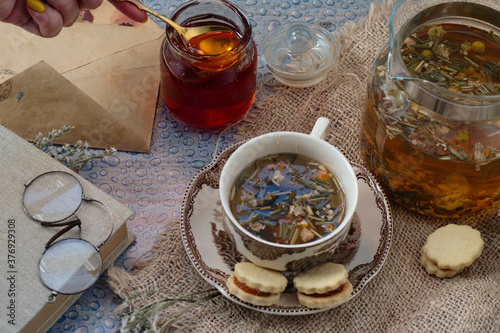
(431, 129)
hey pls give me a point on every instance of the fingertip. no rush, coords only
(141, 17)
(49, 22)
(130, 10)
(50, 32)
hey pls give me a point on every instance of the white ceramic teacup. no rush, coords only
(278, 256)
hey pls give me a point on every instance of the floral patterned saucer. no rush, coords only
(213, 255)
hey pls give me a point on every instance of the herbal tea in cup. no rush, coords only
(288, 198)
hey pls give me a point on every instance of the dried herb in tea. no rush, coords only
(458, 57)
(287, 199)
(430, 162)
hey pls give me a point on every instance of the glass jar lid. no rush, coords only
(300, 55)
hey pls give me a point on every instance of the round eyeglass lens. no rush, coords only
(52, 197)
(70, 266)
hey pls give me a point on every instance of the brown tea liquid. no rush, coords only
(428, 163)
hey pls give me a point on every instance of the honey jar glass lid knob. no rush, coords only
(299, 39)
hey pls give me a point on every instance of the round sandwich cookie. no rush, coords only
(449, 249)
(256, 285)
(432, 268)
(323, 286)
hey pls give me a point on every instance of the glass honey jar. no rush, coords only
(200, 85)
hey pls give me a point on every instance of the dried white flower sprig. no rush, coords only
(74, 157)
(146, 319)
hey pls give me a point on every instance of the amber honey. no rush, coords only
(430, 163)
(214, 43)
(212, 83)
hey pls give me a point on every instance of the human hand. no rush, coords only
(47, 18)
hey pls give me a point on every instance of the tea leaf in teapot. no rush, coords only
(449, 59)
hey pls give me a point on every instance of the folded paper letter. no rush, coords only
(102, 79)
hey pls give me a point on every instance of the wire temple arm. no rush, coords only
(111, 218)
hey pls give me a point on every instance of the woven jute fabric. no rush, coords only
(403, 297)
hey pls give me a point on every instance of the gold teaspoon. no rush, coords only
(186, 33)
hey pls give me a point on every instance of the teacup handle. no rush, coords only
(321, 127)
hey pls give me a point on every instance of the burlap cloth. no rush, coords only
(403, 297)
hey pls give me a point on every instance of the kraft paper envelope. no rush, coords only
(103, 80)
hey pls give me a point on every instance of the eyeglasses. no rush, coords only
(71, 265)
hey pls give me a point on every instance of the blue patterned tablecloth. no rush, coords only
(153, 184)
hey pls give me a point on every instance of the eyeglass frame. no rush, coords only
(68, 226)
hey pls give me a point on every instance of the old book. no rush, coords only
(22, 240)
